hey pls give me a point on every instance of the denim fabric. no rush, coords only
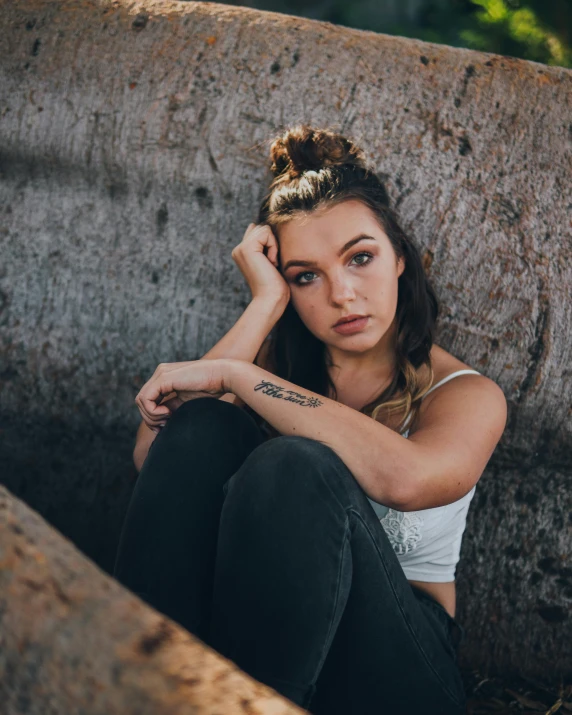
(270, 552)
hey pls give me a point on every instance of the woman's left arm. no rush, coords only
(437, 465)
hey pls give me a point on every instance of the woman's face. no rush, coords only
(330, 279)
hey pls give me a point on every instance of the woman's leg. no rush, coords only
(168, 542)
(302, 557)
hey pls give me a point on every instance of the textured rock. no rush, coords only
(515, 573)
(133, 145)
(73, 640)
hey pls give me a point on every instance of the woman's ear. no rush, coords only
(400, 266)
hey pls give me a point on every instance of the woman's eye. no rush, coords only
(363, 253)
(310, 273)
(300, 275)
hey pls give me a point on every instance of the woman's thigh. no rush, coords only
(388, 650)
(392, 651)
(168, 541)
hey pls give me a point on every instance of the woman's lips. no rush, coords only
(352, 326)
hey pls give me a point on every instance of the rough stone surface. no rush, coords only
(74, 640)
(133, 145)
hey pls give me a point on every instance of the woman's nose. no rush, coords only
(342, 291)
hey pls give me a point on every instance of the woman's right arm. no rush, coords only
(245, 340)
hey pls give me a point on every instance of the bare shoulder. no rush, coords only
(445, 364)
(455, 394)
(456, 430)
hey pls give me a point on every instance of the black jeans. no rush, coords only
(270, 553)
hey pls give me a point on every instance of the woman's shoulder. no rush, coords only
(469, 404)
(445, 365)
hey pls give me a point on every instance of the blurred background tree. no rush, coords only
(538, 30)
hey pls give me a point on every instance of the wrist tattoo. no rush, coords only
(272, 390)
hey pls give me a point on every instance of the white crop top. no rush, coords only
(427, 542)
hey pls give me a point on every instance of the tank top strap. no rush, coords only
(442, 382)
(449, 377)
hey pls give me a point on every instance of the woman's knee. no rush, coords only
(296, 448)
(287, 480)
(286, 463)
(208, 422)
(290, 451)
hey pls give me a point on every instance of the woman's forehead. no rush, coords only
(332, 226)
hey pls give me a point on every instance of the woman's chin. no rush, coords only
(358, 342)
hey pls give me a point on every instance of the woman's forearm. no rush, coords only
(381, 460)
(244, 340)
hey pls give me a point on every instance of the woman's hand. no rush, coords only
(260, 269)
(180, 382)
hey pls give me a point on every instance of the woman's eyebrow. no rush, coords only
(343, 249)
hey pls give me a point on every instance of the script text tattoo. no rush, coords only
(272, 390)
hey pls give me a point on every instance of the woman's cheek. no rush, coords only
(308, 312)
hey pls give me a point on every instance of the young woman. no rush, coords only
(307, 523)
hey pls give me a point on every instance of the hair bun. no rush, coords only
(304, 148)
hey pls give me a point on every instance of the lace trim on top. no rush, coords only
(403, 529)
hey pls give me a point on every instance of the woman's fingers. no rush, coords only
(272, 254)
(173, 403)
(261, 235)
(170, 388)
(147, 401)
(269, 239)
(262, 274)
(152, 420)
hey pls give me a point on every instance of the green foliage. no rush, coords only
(502, 24)
(515, 28)
(538, 30)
